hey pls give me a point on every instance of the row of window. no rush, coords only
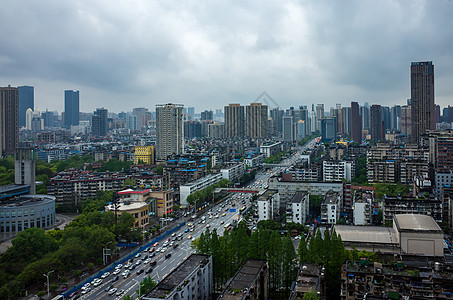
(13, 213)
(13, 226)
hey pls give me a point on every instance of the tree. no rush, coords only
(312, 295)
(146, 285)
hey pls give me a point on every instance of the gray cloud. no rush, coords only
(125, 54)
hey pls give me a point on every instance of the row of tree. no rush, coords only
(203, 195)
(231, 250)
(68, 253)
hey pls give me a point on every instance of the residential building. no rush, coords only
(422, 99)
(329, 129)
(297, 208)
(268, 205)
(216, 130)
(233, 172)
(139, 210)
(377, 123)
(289, 134)
(270, 149)
(310, 279)
(71, 108)
(170, 130)
(253, 161)
(250, 282)
(144, 155)
(257, 124)
(234, 121)
(25, 168)
(186, 189)
(207, 115)
(9, 121)
(356, 123)
(26, 101)
(99, 124)
(330, 208)
(192, 279)
(362, 208)
(396, 205)
(406, 120)
(337, 170)
(179, 170)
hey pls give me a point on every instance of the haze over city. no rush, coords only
(207, 54)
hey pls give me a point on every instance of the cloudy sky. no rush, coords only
(126, 54)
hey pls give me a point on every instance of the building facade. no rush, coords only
(257, 121)
(26, 101)
(234, 121)
(9, 119)
(170, 130)
(71, 108)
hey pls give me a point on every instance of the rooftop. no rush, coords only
(27, 200)
(245, 277)
(177, 276)
(415, 222)
(298, 197)
(366, 234)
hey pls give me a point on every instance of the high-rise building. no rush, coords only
(365, 113)
(48, 117)
(377, 124)
(141, 114)
(26, 101)
(406, 120)
(356, 123)
(319, 115)
(207, 115)
(422, 98)
(277, 119)
(234, 121)
(99, 124)
(289, 134)
(71, 108)
(329, 129)
(28, 118)
(170, 130)
(9, 119)
(257, 121)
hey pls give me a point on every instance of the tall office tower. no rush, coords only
(305, 116)
(9, 119)
(48, 118)
(207, 115)
(337, 112)
(313, 121)
(170, 130)
(71, 108)
(346, 114)
(131, 122)
(437, 113)
(329, 129)
(191, 113)
(140, 112)
(219, 113)
(365, 113)
(422, 98)
(356, 123)
(234, 121)
(288, 129)
(386, 118)
(395, 118)
(99, 124)
(319, 115)
(377, 124)
(257, 121)
(277, 119)
(25, 168)
(28, 118)
(406, 120)
(26, 101)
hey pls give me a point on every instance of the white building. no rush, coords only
(287, 189)
(192, 279)
(297, 208)
(234, 172)
(255, 161)
(336, 170)
(330, 209)
(442, 179)
(271, 149)
(170, 130)
(268, 205)
(362, 208)
(202, 183)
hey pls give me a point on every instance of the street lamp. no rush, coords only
(47, 276)
(139, 286)
(104, 251)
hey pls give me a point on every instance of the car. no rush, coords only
(86, 290)
(87, 285)
(115, 278)
(140, 271)
(131, 267)
(112, 291)
(146, 249)
(105, 275)
(163, 249)
(156, 244)
(168, 255)
(125, 274)
(119, 266)
(187, 230)
(171, 243)
(138, 262)
(189, 236)
(175, 246)
(117, 271)
(137, 255)
(149, 270)
(109, 287)
(73, 294)
(221, 222)
(119, 293)
(207, 226)
(147, 261)
(173, 234)
(152, 254)
(153, 264)
(98, 282)
(191, 229)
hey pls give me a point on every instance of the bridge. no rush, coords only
(240, 190)
(269, 166)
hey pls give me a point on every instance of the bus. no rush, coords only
(228, 226)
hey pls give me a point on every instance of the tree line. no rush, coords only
(231, 250)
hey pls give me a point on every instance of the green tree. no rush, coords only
(312, 295)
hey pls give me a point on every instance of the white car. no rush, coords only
(119, 266)
(148, 260)
(97, 282)
(87, 285)
(112, 291)
(116, 272)
(86, 290)
(105, 275)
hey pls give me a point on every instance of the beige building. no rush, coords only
(170, 130)
(140, 211)
(257, 121)
(144, 154)
(164, 200)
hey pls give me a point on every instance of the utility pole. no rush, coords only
(48, 286)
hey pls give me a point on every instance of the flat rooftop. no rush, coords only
(244, 278)
(28, 200)
(367, 234)
(177, 276)
(416, 222)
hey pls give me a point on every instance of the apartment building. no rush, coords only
(330, 208)
(268, 205)
(297, 208)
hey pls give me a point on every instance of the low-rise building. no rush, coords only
(309, 279)
(139, 210)
(336, 170)
(362, 208)
(270, 149)
(297, 208)
(330, 208)
(395, 205)
(202, 183)
(233, 172)
(250, 282)
(268, 204)
(144, 155)
(192, 279)
(254, 161)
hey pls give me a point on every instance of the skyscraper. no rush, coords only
(71, 108)
(356, 123)
(422, 98)
(234, 121)
(377, 124)
(329, 129)
(99, 124)
(170, 130)
(257, 121)
(207, 115)
(9, 119)
(406, 120)
(26, 101)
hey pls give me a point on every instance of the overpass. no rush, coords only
(240, 190)
(274, 165)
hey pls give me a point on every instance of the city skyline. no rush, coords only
(208, 55)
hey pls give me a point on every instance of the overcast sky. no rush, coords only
(126, 54)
